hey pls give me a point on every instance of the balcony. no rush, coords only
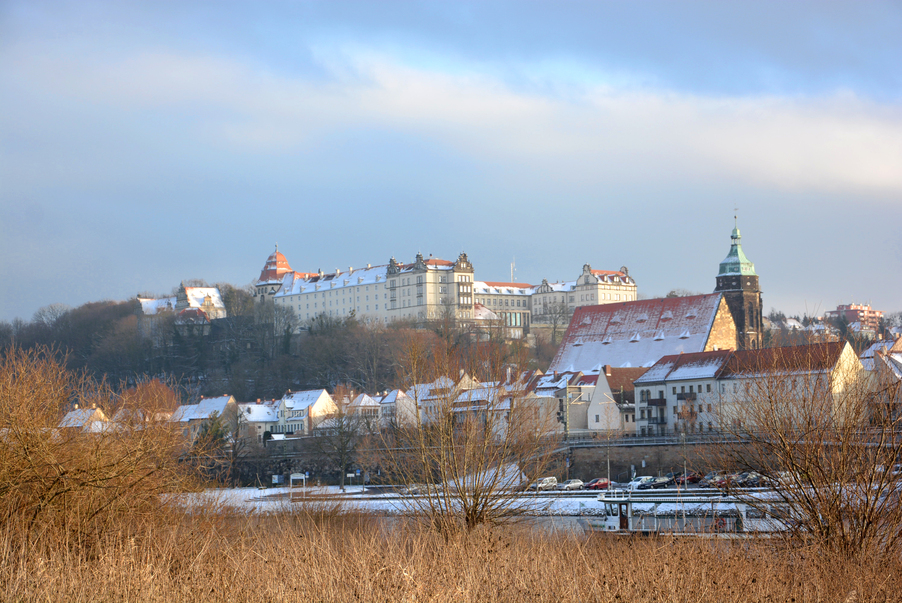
(688, 397)
(657, 402)
(656, 421)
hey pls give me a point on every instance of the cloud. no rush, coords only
(836, 143)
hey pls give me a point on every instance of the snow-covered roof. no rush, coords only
(427, 391)
(480, 312)
(82, 417)
(549, 383)
(151, 306)
(264, 412)
(698, 365)
(302, 400)
(393, 396)
(202, 410)
(637, 333)
(196, 296)
(296, 283)
(497, 288)
(364, 400)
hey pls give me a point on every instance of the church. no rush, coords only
(639, 333)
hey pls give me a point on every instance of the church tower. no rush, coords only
(739, 284)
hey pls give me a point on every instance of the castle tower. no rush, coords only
(270, 280)
(738, 282)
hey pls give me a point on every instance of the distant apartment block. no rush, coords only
(857, 313)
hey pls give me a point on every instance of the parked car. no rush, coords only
(709, 480)
(752, 479)
(571, 484)
(599, 483)
(640, 483)
(662, 481)
(544, 483)
(690, 478)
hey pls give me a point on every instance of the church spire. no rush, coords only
(736, 262)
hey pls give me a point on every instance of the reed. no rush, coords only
(324, 554)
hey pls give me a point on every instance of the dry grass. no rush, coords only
(328, 556)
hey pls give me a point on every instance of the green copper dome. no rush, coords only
(736, 262)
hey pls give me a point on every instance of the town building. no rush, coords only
(192, 417)
(299, 413)
(591, 288)
(190, 311)
(867, 318)
(427, 289)
(679, 394)
(434, 289)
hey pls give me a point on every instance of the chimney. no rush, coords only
(607, 370)
(258, 401)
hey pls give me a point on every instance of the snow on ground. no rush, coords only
(277, 500)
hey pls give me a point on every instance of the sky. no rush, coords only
(147, 143)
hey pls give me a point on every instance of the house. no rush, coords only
(679, 394)
(299, 413)
(190, 418)
(258, 418)
(84, 420)
(886, 377)
(397, 408)
(612, 407)
(787, 378)
(366, 409)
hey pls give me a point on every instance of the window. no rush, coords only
(690, 389)
(682, 389)
(708, 388)
(709, 408)
(674, 390)
(660, 394)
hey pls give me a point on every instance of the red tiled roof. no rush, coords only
(812, 357)
(624, 377)
(275, 268)
(437, 262)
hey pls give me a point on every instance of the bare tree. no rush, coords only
(471, 441)
(558, 314)
(827, 435)
(337, 437)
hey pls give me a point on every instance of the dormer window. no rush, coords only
(642, 317)
(668, 315)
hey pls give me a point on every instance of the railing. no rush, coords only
(657, 402)
(688, 396)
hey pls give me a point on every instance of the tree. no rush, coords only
(337, 437)
(681, 293)
(470, 443)
(827, 437)
(558, 313)
(55, 477)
